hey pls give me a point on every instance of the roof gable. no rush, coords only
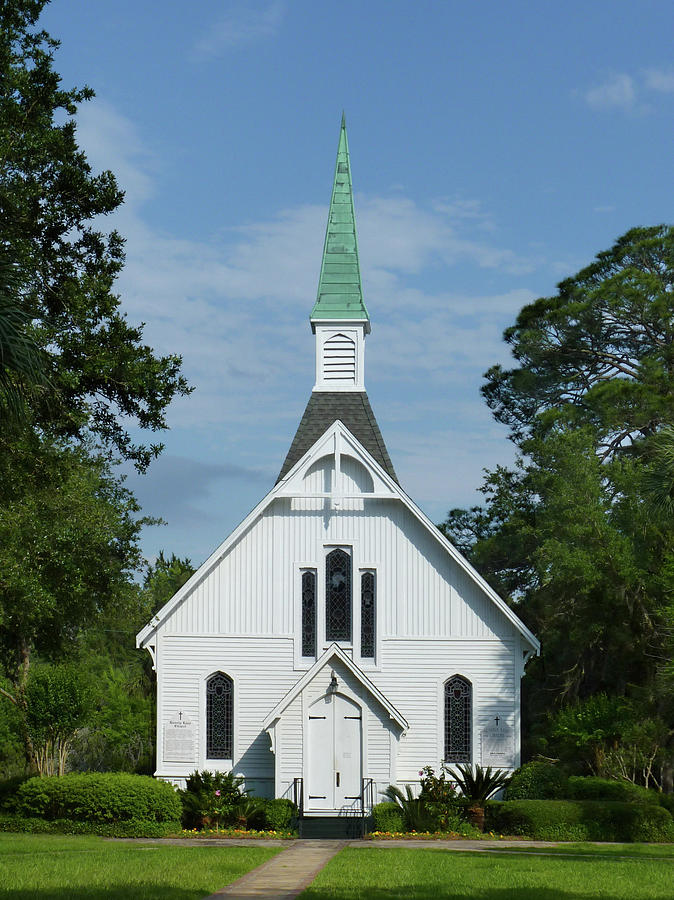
(337, 440)
(334, 651)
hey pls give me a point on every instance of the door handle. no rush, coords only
(337, 777)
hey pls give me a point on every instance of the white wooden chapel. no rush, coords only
(336, 642)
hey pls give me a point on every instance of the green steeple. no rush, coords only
(340, 295)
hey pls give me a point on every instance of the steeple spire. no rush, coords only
(340, 294)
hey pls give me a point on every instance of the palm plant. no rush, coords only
(415, 814)
(477, 786)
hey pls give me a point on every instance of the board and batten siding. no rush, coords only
(421, 590)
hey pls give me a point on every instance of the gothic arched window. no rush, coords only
(338, 596)
(308, 613)
(458, 719)
(368, 615)
(219, 716)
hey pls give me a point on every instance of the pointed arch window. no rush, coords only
(309, 613)
(367, 615)
(219, 716)
(338, 596)
(458, 719)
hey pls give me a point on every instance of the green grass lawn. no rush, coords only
(389, 874)
(60, 867)
(636, 851)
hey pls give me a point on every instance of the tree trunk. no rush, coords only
(22, 681)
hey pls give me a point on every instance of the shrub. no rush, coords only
(279, 813)
(387, 817)
(581, 820)
(212, 796)
(8, 789)
(666, 801)
(99, 797)
(537, 780)
(127, 828)
(592, 788)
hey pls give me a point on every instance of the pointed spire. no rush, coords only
(340, 294)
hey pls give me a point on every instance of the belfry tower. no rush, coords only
(340, 321)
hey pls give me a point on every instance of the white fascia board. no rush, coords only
(336, 323)
(334, 650)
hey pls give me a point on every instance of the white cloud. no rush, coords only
(660, 80)
(236, 308)
(617, 92)
(242, 24)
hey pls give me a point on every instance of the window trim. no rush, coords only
(348, 552)
(207, 681)
(468, 727)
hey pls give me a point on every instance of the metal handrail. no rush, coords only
(366, 793)
(298, 794)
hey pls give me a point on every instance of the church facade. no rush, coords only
(336, 642)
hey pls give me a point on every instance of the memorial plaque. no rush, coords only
(498, 747)
(179, 739)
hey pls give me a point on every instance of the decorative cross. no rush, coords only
(180, 715)
(497, 720)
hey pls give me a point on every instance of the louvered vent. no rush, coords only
(339, 359)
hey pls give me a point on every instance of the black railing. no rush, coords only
(366, 799)
(298, 795)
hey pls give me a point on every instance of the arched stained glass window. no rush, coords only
(338, 596)
(458, 719)
(219, 716)
(308, 614)
(367, 615)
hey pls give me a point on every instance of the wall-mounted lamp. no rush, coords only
(332, 687)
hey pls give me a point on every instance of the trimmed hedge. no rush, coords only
(387, 817)
(99, 798)
(537, 780)
(593, 788)
(127, 828)
(580, 820)
(279, 813)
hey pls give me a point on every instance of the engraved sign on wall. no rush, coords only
(498, 746)
(179, 739)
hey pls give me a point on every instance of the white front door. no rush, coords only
(335, 754)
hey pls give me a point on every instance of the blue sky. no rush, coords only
(495, 149)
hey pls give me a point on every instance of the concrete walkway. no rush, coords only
(286, 875)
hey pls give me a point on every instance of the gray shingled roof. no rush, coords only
(350, 407)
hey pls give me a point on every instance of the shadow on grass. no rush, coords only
(416, 893)
(110, 892)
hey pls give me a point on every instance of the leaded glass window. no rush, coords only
(219, 716)
(367, 615)
(338, 596)
(308, 614)
(458, 719)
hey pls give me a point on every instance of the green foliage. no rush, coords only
(104, 377)
(279, 814)
(58, 702)
(478, 784)
(163, 578)
(388, 816)
(537, 780)
(576, 535)
(8, 789)
(138, 828)
(439, 795)
(98, 798)
(592, 788)
(416, 816)
(581, 820)
(68, 545)
(214, 796)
